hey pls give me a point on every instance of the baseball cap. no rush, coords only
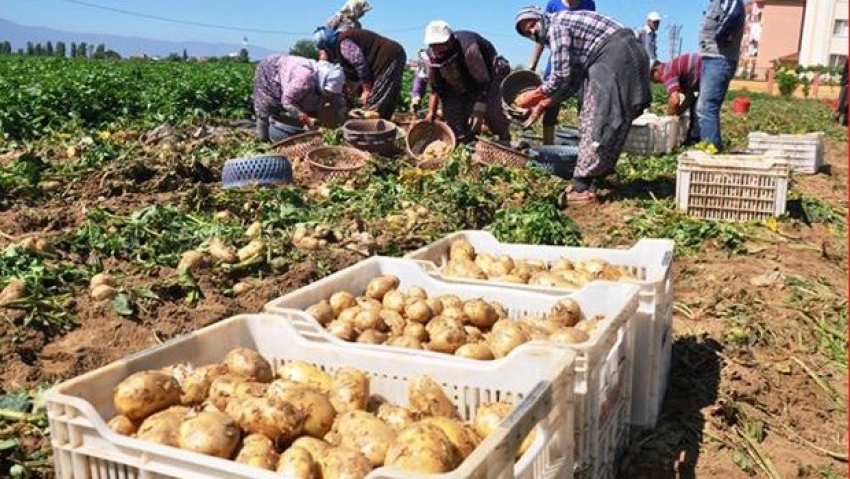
(437, 32)
(653, 17)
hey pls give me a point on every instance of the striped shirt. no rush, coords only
(572, 38)
(681, 74)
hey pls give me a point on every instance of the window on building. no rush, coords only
(837, 61)
(840, 28)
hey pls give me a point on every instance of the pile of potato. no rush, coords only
(299, 420)
(472, 328)
(465, 262)
(436, 150)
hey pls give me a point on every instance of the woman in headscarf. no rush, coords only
(376, 62)
(299, 87)
(348, 17)
(595, 51)
(466, 74)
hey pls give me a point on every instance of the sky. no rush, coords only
(278, 25)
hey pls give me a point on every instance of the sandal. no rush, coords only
(575, 197)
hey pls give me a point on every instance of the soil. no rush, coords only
(713, 383)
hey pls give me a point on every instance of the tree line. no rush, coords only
(98, 52)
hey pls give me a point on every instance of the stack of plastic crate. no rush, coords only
(804, 152)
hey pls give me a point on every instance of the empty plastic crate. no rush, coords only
(603, 367)
(804, 152)
(732, 187)
(650, 260)
(651, 135)
(535, 379)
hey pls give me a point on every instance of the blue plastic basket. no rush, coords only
(268, 170)
(280, 130)
(558, 160)
(567, 136)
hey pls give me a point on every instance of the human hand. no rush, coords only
(530, 98)
(535, 115)
(478, 111)
(365, 95)
(415, 103)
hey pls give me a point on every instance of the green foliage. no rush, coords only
(536, 223)
(305, 48)
(787, 81)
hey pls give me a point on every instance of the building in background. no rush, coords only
(792, 32)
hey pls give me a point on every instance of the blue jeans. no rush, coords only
(714, 81)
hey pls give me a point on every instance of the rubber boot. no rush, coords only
(549, 135)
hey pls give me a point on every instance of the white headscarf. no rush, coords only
(329, 76)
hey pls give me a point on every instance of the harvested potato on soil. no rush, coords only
(249, 364)
(423, 448)
(258, 451)
(16, 289)
(297, 463)
(143, 393)
(251, 250)
(191, 260)
(425, 398)
(222, 252)
(103, 292)
(102, 278)
(210, 433)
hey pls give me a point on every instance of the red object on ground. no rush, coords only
(741, 105)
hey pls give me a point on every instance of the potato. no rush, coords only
(243, 287)
(501, 310)
(143, 393)
(506, 339)
(416, 331)
(361, 431)
(163, 427)
(104, 292)
(347, 315)
(566, 312)
(297, 463)
(249, 364)
(396, 417)
(254, 230)
(369, 319)
(473, 334)
(394, 300)
(447, 339)
(462, 436)
(341, 300)
(418, 311)
(16, 289)
(539, 327)
(464, 269)
(190, 260)
(224, 389)
(211, 433)
(305, 373)
(478, 351)
(251, 250)
(316, 447)
(443, 322)
(258, 451)
(592, 266)
(314, 406)
(545, 279)
(369, 303)
(349, 390)
(372, 336)
(461, 249)
(196, 386)
(489, 416)
(322, 312)
(342, 330)
(222, 251)
(102, 278)
(435, 305)
(590, 325)
(450, 301)
(423, 448)
(417, 292)
(379, 286)
(122, 425)
(569, 336)
(405, 342)
(425, 398)
(455, 313)
(480, 313)
(394, 321)
(562, 264)
(344, 463)
(277, 420)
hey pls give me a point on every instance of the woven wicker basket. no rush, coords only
(404, 120)
(374, 136)
(515, 84)
(491, 153)
(329, 162)
(423, 133)
(296, 147)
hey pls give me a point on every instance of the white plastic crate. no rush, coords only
(804, 152)
(537, 379)
(732, 187)
(650, 260)
(603, 367)
(653, 135)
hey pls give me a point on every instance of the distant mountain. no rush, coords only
(18, 35)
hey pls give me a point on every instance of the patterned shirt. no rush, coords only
(572, 38)
(682, 73)
(352, 52)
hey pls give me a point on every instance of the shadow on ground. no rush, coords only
(657, 189)
(671, 449)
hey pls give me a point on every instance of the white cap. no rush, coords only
(653, 17)
(437, 32)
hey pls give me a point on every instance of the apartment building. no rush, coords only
(824, 39)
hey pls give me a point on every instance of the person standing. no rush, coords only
(550, 119)
(602, 54)
(648, 36)
(680, 76)
(720, 48)
(466, 75)
(376, 62)
(299, 87)
(420, 81)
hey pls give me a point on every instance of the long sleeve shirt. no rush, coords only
(286, 82)
(648, 38)
(352, 52)
(572, 38)
(723, 29)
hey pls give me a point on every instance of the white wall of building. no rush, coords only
(824, 40)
